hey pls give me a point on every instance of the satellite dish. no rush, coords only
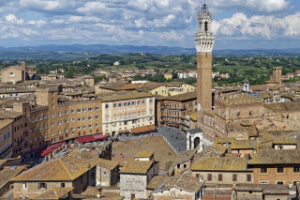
(199, 107)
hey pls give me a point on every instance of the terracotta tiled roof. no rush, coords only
(136, 167)
(193, 116)
(55, 193)
(126, 96)
(93, 159)
(274, 157)
(288, 106)
(8, 173)
(221, 164)
(91, 191)
(183, 182)
(258, 87)
(108, 164)
(9, 114)
(185, 156)
(266, 188)
(66, 168)
(50, 171)
(130, 86)
(144, 154)
(243, 144)
(183, 97)
(287, 139)
(264, 95)
(217, 148)
(5, 122)
(151, 86)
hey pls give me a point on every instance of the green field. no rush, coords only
(256, 69)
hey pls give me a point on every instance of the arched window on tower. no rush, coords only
(206, 27)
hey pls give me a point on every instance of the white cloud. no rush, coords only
(152, 22)
(37, 23)
(253, 5)
(58, 21)
(269, 27)
(11, 18)
(92, 8)
(162, 22)
(84, 19)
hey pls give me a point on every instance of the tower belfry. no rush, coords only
(204, 41)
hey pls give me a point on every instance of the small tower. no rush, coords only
(246, 86)
(276, 78)
(204, 41)
(277, 74)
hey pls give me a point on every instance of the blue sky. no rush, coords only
(237, 24)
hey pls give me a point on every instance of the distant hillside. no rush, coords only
(102, 48)
(79, 51)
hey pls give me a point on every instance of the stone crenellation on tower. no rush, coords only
(204, 39)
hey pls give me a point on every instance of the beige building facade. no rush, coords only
(127, 111)
(16, 73)
(13, 74)
(223, 171)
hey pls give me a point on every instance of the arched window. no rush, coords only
(206, 26)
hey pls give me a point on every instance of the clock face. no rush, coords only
(199, 107)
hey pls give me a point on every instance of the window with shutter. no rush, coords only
(220, 177)
(209, 177)
(234, 177)
(249, 178)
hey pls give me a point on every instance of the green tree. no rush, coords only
(174, 75)
(70, 73)
(18, 82)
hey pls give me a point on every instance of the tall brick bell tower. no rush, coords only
(204, 41)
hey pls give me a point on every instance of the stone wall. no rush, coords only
(174, 193)
(32, 189)
(133, 184)
(227, 177)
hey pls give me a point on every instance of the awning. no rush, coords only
(48, 151)
(100, 137)
(151, 128)
(123, 131)
(52, 148)
(90, 138)
(144, 129)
